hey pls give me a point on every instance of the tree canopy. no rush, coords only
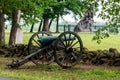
(110, 12)
(33, 11)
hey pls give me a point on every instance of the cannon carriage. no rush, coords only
(43, 48)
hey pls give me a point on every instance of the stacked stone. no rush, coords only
(98, 57)
(13, 50)
(101, 57)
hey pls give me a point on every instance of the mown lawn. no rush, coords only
(54, 72)
(112, 42)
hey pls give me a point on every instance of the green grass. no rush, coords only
(54, 72)
(112, 42)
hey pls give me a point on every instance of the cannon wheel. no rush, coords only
(45, 56)
(68, 51)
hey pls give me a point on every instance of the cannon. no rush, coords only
(43, 48)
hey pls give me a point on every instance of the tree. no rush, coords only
(51, 20)
(57, 20)
(15, 25)
(61, 7)
(33, 11)
(111, 13)
(32, 27)
(30, 11)
(48, 12)
(2, 23)
(40, 25)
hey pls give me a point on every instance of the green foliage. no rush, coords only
(62, 7)
(34, 11)
(78, 7)
(30, 10)
(100, 34)
(111, 13)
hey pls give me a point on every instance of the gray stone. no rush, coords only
(19, 36)
(5, 78)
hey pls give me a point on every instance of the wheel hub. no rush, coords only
(68, 49)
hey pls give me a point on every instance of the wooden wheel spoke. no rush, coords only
(74, 43)
(60, 51)
(69, 38)
(37, 42)
(49, 54)
(77, 48)
(65, 40)
(68, 57)
(71, 42)
(38, 36)
(63, 58)
(60, 46)
(62, 42)
(76, 52)
(74, 56)
(67, 53)
(34, 45)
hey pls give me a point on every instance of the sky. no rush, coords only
(69, 18)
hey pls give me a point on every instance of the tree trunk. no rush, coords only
(31, 30)
(50, 23)
(15, 25)
(45, 24)
(57, 25)
(2, 30)
(39, 29)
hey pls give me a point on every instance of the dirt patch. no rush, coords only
(90, 67)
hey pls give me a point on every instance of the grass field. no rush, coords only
(112, 42)
(53, 72)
